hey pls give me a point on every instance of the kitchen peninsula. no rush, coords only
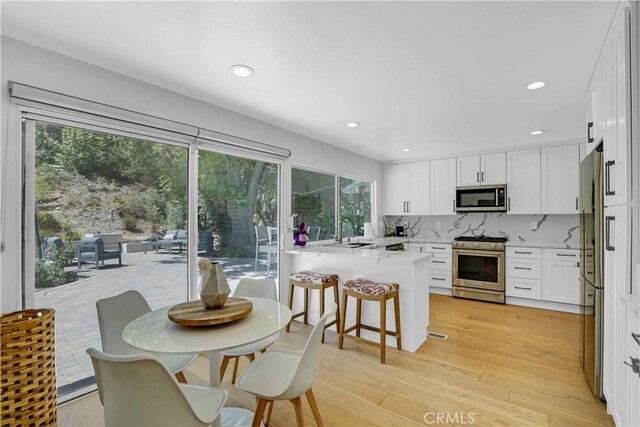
(408, 269)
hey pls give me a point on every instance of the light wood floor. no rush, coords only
(502, 365)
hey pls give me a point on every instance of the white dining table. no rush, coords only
(154, 332)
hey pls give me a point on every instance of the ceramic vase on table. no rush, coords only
(214, 289)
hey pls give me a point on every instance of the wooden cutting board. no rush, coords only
(194, 314)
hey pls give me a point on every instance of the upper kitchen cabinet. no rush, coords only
(406, 189)
(487, 169)
(595, 108)
(523, 182)
(443, 187)
(560, 179)
(395, 189)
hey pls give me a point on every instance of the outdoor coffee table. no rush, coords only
(154, 332)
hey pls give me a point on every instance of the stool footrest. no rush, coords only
(374, 329)
(293, 316)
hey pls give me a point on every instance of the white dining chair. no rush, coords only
(252, 288)
(287, 375)
(139, 391)
(115, 313)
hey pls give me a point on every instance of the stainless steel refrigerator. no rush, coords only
(591, 267)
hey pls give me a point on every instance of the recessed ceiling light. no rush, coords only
(536, 85)
(406, 150)
(537, 132)
(353, 124)
(240, 70)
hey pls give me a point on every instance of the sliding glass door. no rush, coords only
(238, 214)
(97, 207)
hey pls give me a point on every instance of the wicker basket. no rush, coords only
(27, 368)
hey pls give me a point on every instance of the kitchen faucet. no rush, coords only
(339, 236)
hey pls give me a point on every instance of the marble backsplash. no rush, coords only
(550, 228)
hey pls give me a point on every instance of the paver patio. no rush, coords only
(160, 277)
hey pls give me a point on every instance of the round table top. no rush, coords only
(154, 331)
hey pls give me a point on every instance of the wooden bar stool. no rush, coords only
(368, 290)
(309, 280)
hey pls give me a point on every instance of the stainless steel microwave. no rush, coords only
(481, 198)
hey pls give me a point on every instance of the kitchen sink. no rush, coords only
(352, 245)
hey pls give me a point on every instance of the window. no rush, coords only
(355, 205)
(325, 202)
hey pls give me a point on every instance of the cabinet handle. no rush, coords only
(438, 262)
(454, 205)
(408, 206)
(571, 255)
(522, 253)
(438, 247)
(522, 268)
(607, 231)
(521, 287)
(438, 278)
(477, 176)
(508, 203)
(576, 203)
(482, 177)
(589, 128)
(607, 178)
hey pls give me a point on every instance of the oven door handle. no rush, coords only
(479, 252)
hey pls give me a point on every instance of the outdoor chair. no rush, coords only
(91, 249)
(205, 241)
(50, 244)
(267, 243)
(172, 238)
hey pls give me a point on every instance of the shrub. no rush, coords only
(48, 224)
(176, 216)
(155, 206)
(68, 233)
(129, 222)
(44, 185)
(50, 270)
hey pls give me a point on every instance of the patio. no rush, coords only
(160, 277)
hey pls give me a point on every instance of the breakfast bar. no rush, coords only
(408, 270)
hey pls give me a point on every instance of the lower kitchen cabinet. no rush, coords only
(523, 288)
(561, 276)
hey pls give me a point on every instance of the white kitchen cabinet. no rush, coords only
(443, 187)
(418, 201)
(493, 169)
(595, 131)
(406, 189)
(395, 189)
(523, 288)
(617, 146)
(560, 179)
(486, 169)
(617, 241)
(523, 182)
(561, 276)
(468, 171)
(414, 247)
(523, 272)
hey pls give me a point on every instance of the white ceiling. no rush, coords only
(437, 77)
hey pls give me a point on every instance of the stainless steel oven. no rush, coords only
(479, 268)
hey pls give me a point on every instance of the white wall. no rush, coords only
(32, 65)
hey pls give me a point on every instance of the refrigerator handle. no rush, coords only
(607, 230)
(589, 128)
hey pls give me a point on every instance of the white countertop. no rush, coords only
(376, 253)
(379, 243)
